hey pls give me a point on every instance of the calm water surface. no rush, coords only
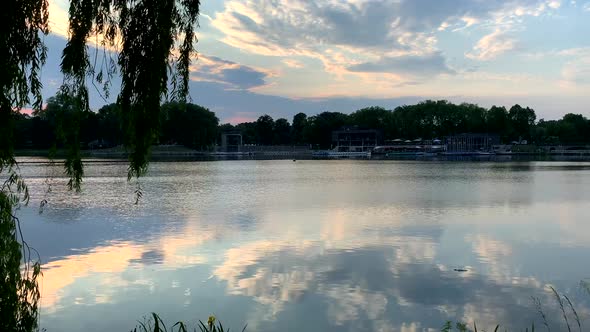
(311, 245)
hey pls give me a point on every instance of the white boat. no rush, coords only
(341, 154)
(468, 153)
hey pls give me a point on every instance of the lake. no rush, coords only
(337, 245)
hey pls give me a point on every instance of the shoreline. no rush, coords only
(180, 155)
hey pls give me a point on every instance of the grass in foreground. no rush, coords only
(566, 307)
(156, 324)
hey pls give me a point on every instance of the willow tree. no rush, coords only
(154, 42)
(22, 53)
(150, 44)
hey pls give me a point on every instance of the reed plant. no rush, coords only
(566, 308)
(568, 316)
(156, 324)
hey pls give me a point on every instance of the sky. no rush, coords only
(281, 57)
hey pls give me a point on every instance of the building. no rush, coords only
(231, 141)
(353, 139)
(471, 142)
(418, 145)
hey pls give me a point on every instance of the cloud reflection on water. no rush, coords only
(346, 245)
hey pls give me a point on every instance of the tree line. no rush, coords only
(187, 124)
(428, 119)
(153, 43)
(197, 127)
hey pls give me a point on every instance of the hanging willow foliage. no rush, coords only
(22, 53)
(154, 41)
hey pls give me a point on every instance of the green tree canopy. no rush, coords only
(498, 121)
(188, 124)
(282, 132)
(522, 121)
(299, 124)
(265, 130)
(319, 127)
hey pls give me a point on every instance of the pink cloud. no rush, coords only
(28, 111)
(236, 119)
(241, 117)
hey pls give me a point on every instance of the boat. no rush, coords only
(341, 154)
(403, 153)
(467, 153)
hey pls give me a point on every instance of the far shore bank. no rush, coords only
(178, 153)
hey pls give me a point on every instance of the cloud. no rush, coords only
(492, 45)
(27, 111)
(577, 72)
(575, 52)
(427, 65)
(231, 74)
(371, 42)
(241, 117)
(58, 17)
(293, 63)
(290, 27)
(238, 105)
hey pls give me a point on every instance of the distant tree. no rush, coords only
(66, 116)
(190, 125)
(298, 127)
(319, 127)
(282, 132)
(375, 117)
(42, 135)
(547, 132)
(265, 130)
(226, 127)
(110, 124)
(73, 127)
(574, 129)
(498, 121)
(425, 119)
(23, 131)
(522, 121)
(248, 131)
(406, 120)
(474, 118)
(449, 119)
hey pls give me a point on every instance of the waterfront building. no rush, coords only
(353, 139)
(231, 141)
(471, 142)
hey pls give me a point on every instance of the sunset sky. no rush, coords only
(281, 57)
